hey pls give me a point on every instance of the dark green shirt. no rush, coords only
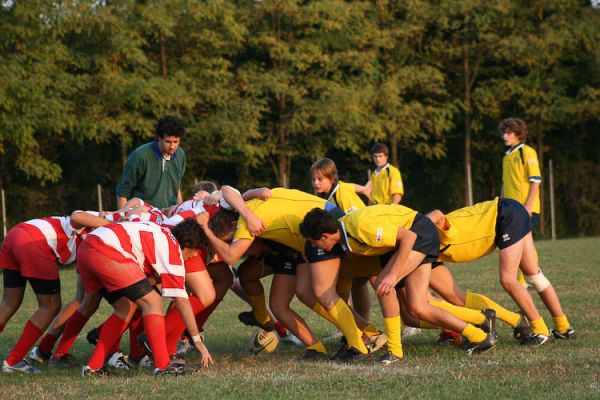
(149, 176)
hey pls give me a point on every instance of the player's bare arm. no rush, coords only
(391, 274)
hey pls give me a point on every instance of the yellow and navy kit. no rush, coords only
(282, 214)
(385, 183)
(344, 196)
(475, 231)
(520, 167)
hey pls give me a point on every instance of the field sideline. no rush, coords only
(560, 369)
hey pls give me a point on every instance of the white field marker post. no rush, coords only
(100, 208)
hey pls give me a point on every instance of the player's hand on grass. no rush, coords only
(205, 357)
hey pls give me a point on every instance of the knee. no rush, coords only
(306, 296)
(208, 297)
(508, 281)
(417, 310)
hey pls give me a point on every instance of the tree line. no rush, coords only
(267, 87)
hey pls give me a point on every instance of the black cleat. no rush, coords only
(93, 336)
(88, 372)
(523, 329)
(247, 318)
(489, 325)
(350, 355)
(63, 361)
(479, 347)
(176, 370)
(537, 339)
(313, 355)
(142, 341)
(388, 358)
(569, 334)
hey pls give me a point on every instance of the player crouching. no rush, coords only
(119, 258)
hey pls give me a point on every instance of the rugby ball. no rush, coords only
(262, 341)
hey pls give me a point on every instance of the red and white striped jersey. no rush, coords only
(152, 247)
(186, 209)
(58, 234)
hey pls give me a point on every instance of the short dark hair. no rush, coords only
(189, 234)
(317, 222)
(515, 125)
(169, 126)
(223, 222)
(207, 186)
(380, 148)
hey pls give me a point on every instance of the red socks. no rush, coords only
(112, 329)
(175, 325)
(281, 329)
(204, 314)
(154, 327)
(47, 343)
(136, 326)
(30, 335)
(73, 326)
(1, 327)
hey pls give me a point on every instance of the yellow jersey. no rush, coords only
(520, 167)
(344, 196)
(386, 182)
(373, 230)
(282, 214)
(470, 234)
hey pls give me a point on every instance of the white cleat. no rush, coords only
(23, 367)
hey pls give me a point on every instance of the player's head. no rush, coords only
(169, 131)
(223, 224)
(380, 154)
(513, 131)
(320, 228)
(189, 234)
(323, 175)
(206, 186)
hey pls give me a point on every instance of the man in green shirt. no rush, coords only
(154, 170)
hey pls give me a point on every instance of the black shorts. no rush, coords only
(314, 254)
(132, 292)
(13, 279)
(512, 224)
(535, 220)
(283, 264)
(428, 239)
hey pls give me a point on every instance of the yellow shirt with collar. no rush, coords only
(520, 167)
(385, 183)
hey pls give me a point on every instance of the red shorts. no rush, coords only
(29, 256)
(98, 271)
(194, 264)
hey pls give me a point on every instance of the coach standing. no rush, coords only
(154, 170)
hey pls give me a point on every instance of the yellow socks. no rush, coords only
(344, 320)
(393, 330)
(561, 324)
(466, 314)
(318, 347)
(259, 308)
(478, 301)
(473, 334)
(319, 309)
(539, 326)
(521, 278)
(371, 330)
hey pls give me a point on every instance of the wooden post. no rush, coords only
(3, 214)
(552, 217)
(100, 208)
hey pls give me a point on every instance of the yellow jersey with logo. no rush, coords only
(373, 230)
(282, 214)
(386, 182)
(470, 234)
(344, 196)
(520, 167)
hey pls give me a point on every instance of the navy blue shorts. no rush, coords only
(314, 254)
(512, 224)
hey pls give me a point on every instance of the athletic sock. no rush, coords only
(393, 329)
(521, 278)
(319, 309)
(478, 301)
(154, 327)
(47, 343)
(175, 325)
(136, 326)
(474, 317)
(281, 329)
(73, 326)
(319, 347)
(1, 327)
(259, 309)
(30, 335)
(344, 320)
(371, 330)
(473, 334)
(538, 326)
(561, 324)
(111, 332)
(427, 325)
(203, 315)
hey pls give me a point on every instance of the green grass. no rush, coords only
(561, 369)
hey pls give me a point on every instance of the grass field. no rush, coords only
(560, 369)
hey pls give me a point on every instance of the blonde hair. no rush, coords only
(325, 167)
